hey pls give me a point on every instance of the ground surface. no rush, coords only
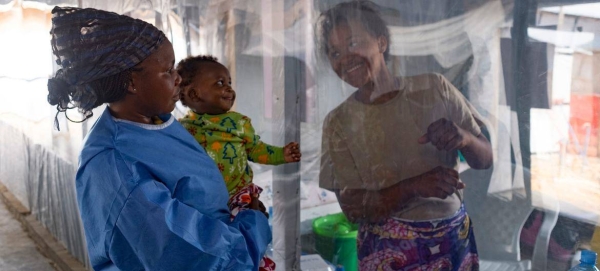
(17, 251)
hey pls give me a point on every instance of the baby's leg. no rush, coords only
(242, 199)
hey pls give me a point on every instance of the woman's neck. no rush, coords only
(121, 111)
(382, 88)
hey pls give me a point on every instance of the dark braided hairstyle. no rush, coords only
(97, 51)
(365, 12)
(189, 67)
(88, 96)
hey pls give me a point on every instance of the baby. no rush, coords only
(227, 136)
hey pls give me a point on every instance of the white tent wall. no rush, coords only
(37, 163)
(45, 183)
(283, 84)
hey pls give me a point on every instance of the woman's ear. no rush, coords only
(131, 88)
(383, 44)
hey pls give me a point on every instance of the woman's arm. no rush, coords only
(362, 205)
(339, 170)
(135, 222)
(448, 136)
(459, 129)
(166, 234)
(478, 152)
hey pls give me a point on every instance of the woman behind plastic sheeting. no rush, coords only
(390, 151)
(149, 196)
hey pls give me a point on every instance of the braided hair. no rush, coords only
(97, 51)
(86, 96)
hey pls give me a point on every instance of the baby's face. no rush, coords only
(210, 92)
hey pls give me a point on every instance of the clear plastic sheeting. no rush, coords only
(50, 179)
(45, 184)
(14, 162)
(521, 74)
(446, 39)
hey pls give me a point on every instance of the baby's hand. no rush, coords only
(291, 152)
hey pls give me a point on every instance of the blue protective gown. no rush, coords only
(151, 199)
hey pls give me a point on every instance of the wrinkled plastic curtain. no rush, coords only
(461, 41)
(287, 87)
(41, 179)
(44, 183)
(53, 200)
(14, 162)
(267, 46)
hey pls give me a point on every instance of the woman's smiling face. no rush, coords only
(355, 54)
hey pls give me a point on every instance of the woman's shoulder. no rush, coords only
(101, 151)
(423, 81)
(349, 105)
(101, 137)
(428, 87)
(342, 110)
